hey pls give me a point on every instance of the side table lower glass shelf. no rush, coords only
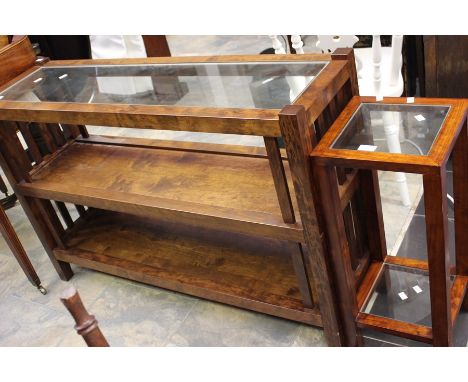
(400, 304)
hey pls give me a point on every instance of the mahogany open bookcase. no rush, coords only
(234, 224)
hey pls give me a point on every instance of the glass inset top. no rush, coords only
(252, 85)
(401, 294)
(392, 128)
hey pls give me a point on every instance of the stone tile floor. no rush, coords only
(133, 314)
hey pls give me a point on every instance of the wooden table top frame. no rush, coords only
(446, 298)
(241, 249)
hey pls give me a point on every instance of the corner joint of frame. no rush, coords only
(291, 110)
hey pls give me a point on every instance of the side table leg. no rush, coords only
(460, 191)
(435, 200)
(13, 242)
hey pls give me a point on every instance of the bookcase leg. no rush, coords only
(298, 142)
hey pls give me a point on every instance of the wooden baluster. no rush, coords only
(376, 60)
(86, 324)
(65, 214)
(52, 221)
(83, 131)
(47, 137)
(71, 131)
(56, 133)
(33, 149)
(297, 44)
(277, 45)
(279, 179)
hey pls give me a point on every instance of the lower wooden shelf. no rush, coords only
(248, 272)
(395, 299)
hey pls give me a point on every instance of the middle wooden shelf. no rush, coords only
(194, 184)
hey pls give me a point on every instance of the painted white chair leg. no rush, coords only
(297, 43)
(396, 61)
(376, 60)
(277, 45)
(392, 135)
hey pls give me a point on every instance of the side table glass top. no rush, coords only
(392, 128)
(253, 85)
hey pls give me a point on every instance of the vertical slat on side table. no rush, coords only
(52, 220)
(372, 213)
(351, 235)
(83, 131)
(338, 251)
(64, 213)
(435, 202)
(299, 142)
(56, 133)
(32, 145)
(460, 191)
(279, 179)
(47, 137)
(71, 131)
(300, 270)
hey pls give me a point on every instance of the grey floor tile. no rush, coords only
(138, 315)
(29, 324)
(213, 324)
(309, 336)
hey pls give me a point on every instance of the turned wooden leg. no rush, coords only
(435, 200)
(86, 324)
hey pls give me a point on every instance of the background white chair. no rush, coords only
(379, 74)
(379, 68)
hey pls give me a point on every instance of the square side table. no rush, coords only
(418, 300)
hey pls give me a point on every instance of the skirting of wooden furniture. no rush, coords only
(407, 297)
(232, 224)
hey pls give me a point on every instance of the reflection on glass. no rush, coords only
(404, 128)
(414, 242)
(401, 294)
(231, 85)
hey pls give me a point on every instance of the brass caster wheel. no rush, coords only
(42, 289)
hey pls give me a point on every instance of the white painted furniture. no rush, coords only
(120, 46)
(296, 42)
(379, 68)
